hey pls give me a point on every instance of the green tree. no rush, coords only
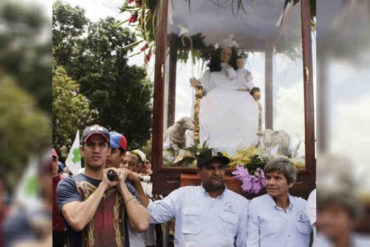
(68, 25)
(25, 49)
(119, 92)
(24, 129)
(71, 110)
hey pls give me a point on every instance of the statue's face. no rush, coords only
(226, 54)
(240, 62)
(257, 95)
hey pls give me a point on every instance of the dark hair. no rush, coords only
(242, 55)
(215, 62)
(255, 89)
(344, 199)
(121, 150)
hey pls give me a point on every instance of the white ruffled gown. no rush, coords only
(228, 118)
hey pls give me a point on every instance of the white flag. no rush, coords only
(73, 161)
(27, 195)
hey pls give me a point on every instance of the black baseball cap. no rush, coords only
(95, 130)
(209, 155)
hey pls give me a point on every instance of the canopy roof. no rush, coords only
(253, 26)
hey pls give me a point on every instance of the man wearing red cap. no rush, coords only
(118, 144)
(96, 209)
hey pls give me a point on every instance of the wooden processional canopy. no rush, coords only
(270, 27)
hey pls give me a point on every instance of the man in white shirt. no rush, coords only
(277, 218)
(208, 215)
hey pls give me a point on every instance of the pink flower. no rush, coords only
(258, 181)
(250, 183)
(240, 172)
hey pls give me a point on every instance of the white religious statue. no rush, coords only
(228, 116)
(244, 77)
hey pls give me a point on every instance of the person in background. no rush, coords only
(277, 218)
(118, 144)
(338, 214)
(145, 172)
(134, 162)
(131, 161)
(64, 170)
(58, 223)
(30, 225)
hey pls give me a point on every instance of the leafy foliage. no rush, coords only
(68, 26)
(97, 61)
(24, 129)
(71, 110)
(23, 55)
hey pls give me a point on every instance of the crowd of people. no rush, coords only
(108, 203)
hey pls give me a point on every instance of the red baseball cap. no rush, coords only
(95, 130)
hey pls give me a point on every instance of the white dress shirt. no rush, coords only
(203, 221)
(272, 226)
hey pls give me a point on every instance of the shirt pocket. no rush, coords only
(191, 220)
(303, 227)
(270, 226)
(229, 217)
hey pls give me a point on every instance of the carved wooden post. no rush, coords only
(198, 97)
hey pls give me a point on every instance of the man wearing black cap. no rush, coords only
(94, 207)
(208, 215)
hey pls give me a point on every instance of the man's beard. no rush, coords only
(210, 186)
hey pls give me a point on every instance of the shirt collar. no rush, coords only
(273, 203)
